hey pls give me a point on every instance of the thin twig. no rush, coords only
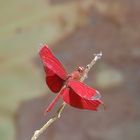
(89, 66)
(37, 133)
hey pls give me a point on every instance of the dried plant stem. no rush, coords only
(40, 131)
(37, 133)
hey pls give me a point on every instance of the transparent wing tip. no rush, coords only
(97, 96)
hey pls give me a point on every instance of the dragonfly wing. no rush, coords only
(55, 72)
(81, 96)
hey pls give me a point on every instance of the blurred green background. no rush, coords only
(75, 29)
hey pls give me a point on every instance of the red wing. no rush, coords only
(55, 72)
(81, 96)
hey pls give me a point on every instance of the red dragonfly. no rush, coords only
(68, 86)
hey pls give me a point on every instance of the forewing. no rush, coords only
(55, 72)
(82, 96)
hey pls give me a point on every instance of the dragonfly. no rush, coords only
(68, 86)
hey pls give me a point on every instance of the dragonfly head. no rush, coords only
(80, 69)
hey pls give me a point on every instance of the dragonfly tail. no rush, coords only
(52, 103)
